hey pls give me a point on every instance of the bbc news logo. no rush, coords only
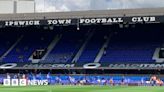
(14, 82)
(23, 82)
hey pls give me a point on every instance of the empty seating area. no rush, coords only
(67, 47)
(7, 39)
(126, 45)
(93, 47)
(132, 46)
(28, 44)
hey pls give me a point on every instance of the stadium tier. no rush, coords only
(105, 45)
(133, 45)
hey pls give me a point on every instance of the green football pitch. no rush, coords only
(81, 89)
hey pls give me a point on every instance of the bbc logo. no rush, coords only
(14, 82)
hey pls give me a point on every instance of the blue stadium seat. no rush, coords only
(28, 44)
(132, 47)
(66, 48)
(93, 47)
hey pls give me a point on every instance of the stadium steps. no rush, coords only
(101, 52)
(77, 56)
(50, 47)
(156, 56)
(12, 47)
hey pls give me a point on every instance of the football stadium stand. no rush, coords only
(30, 42)
(128, 45)
(134, 45)
(104, 47)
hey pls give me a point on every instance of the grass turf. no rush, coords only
(81, 89)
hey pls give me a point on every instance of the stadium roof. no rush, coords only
(85, 14)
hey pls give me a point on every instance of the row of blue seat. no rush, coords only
(124, 46)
